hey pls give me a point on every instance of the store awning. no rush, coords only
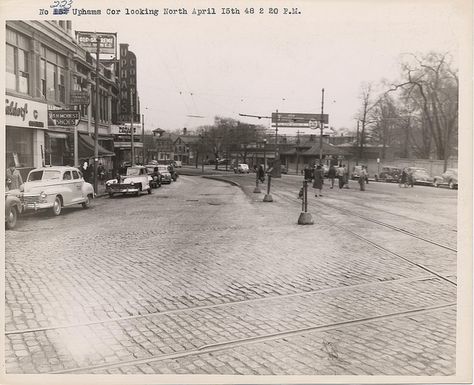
(86, 148)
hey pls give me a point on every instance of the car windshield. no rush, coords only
(150, 170)
(131, 171)
(44, 175)
(163, 168)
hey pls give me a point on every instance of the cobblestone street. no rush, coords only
(202, 277)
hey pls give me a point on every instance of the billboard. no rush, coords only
(88, 41)
(301, 120)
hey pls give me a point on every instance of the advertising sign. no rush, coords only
(124, 129)
(64, 117)
(78, 98)
(25, 113)
(88, 41)
(296, 119)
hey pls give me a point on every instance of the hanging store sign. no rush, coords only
(298, 120)
(65, 117)
(88, 41)
(21, 112)
(78, 98)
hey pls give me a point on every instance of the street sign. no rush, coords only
(88, 41)
(78, 98)
(65, 117)
(302, 119)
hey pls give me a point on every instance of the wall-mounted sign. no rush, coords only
(88, 41)
(78, 98)
(25, 113)
(65, 117)
(124, 129)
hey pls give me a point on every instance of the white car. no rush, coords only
(242, 168)
(135, 180)
(56, 187)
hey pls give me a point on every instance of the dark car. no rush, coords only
(420, 175)
(152, 170)
(389, 174)
(13, 208)
(448, 178)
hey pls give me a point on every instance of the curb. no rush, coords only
(221, 180)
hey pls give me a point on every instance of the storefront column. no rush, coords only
(38, 145)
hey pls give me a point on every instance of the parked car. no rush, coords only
(152, 171)
(13, 208)
(56, 187)
(135, 180)
(389, 174)
(420, 175)
(356, 172)
(178, 164)
(242, 168)
(165, 174)
(448, 178)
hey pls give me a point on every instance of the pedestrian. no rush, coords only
(362, 178)
(410, 179)
(101, 172)
(318, 180)
(340, 176)
(14, 180)
(260, 173)
(403, 178)
(332, 175)
(346, 176)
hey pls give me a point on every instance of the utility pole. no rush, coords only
(143, 138)
(276, 136)
(357, 142)
(297, 150)
(321, 127)
(132, 146)
(96, 116)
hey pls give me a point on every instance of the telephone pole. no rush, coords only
(132, 147)
(321, 127)
(96, 116)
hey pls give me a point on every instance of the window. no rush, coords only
(53, 75)
(67, 175)
(17, 66)
(19, 142)
(75, 174)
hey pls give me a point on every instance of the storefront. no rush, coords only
(26, 122)
(122, 144)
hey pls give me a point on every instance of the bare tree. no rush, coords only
(432, 86)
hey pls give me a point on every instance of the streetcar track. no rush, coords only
(220, 305)
(365, 239)
(211, 348)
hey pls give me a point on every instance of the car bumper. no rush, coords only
(38, 206)
(121, 189)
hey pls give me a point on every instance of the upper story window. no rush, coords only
(17, 62)
(53, 75)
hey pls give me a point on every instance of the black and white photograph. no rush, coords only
(237, 192)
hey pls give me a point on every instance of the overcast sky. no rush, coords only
(253, 64)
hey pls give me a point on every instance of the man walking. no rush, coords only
(340, 176)
(14, 180)
(332, 174)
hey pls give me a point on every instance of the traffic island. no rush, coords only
(267, 198)
(305, 219)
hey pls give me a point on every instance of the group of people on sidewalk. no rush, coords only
(316, 174)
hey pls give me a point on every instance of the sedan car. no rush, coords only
(389, 174)
(56, 187)
(135, 180)
(448, 178)
(242, 168)
(13, 208)
(165, 174)
(155, 175)
(420, 175)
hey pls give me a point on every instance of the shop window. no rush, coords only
(19, 146)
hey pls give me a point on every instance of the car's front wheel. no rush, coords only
(149, 190)
(435, 183)
(87, 202)
(12, 218)
(111, 195)
(57, 206)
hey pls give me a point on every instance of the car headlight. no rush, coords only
(131, 183)
(43, 196)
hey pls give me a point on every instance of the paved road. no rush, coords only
(202, 277)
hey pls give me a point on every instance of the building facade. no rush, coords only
(44, 64)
